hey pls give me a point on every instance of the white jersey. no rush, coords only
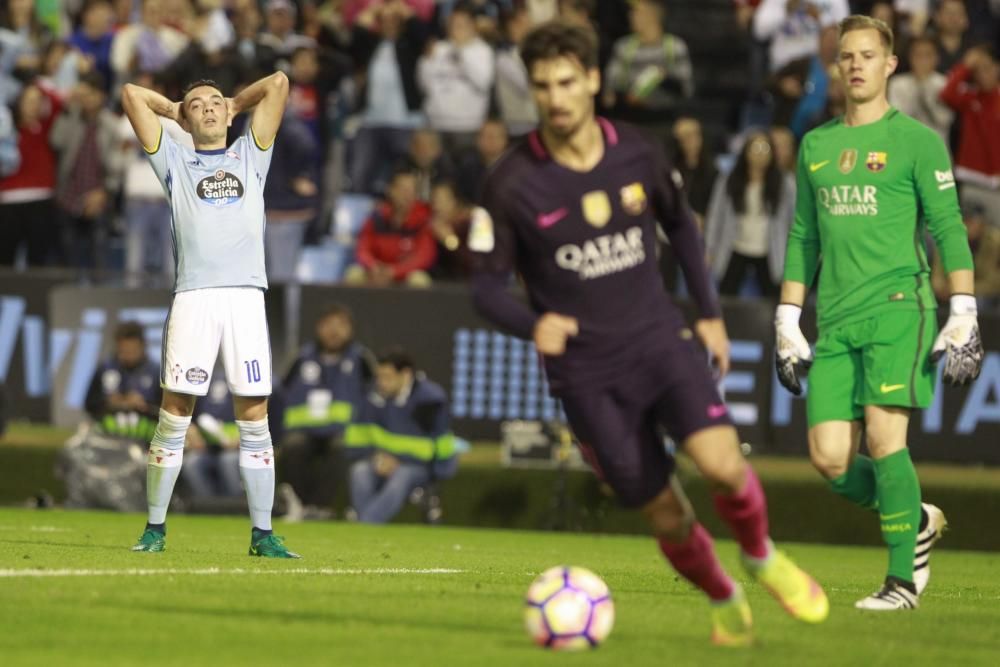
(217, 209)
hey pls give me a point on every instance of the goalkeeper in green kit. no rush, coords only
(869, 184)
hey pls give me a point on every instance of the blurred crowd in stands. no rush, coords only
(399, 107)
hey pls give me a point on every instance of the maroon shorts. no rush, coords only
(621, 427)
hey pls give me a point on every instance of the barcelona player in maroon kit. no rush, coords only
(573, 209)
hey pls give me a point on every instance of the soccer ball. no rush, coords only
(568, 608)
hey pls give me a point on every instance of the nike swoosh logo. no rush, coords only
(816, 166)
(886, 388)
(546, 220)
(890, 517)
(716, 411)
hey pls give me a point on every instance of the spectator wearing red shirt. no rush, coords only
(973, 91)
(27, 211)
(396, 244)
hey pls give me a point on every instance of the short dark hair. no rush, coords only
(198, 84)
(130, 329)
(396, 357)
(335, 309)
(555, 39)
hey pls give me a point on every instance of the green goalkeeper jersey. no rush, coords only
(865, 197)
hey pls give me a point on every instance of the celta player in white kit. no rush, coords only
(216, 195)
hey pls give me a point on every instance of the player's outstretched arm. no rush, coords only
(267, 98)
(143, 108)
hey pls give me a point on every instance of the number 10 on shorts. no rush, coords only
(253, 370)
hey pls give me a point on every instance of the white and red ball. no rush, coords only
(568, 608)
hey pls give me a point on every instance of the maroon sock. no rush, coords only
(695, 560)
(746, 515)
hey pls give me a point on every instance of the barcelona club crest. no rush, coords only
(876, 161)
(596, 208)
(848, 158)
(633, 198)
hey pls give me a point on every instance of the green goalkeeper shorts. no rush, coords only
(882, 360)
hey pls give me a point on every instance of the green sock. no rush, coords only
(858, 483)
(899, 510)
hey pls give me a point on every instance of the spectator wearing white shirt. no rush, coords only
(917, 93)
(456, 78)
(793, 26)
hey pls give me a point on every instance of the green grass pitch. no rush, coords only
(373, 596)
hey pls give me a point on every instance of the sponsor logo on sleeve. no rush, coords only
(481, 238)
(945, 179)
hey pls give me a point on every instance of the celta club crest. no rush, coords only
(596, 208)
(876, 161)
(848, 158)
(633, 198)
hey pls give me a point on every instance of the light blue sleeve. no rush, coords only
(259, 156)
(163, 158)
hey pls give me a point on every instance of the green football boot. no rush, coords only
(152, 541)
(270, 546)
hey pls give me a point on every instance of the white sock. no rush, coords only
(257, 470)
(163, 463)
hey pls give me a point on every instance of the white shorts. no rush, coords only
(203, 320)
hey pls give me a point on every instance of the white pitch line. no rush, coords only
(152, 572)
(38, 529)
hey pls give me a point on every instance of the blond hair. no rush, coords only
(862, 22)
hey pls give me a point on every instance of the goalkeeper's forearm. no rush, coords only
(793, 293)
(962, 281)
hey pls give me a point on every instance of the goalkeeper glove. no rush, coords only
(792, 356)
(959, 343)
